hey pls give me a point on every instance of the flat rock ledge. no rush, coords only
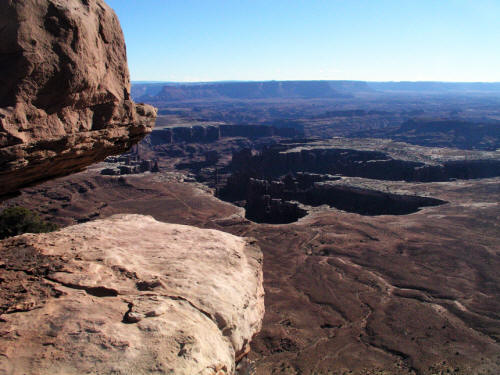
(128, 295)
(64, 90)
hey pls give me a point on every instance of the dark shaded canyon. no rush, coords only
(277, 201)
(274, 183)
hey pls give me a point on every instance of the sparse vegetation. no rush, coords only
(18, 220)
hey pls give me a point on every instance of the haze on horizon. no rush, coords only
(259, 40)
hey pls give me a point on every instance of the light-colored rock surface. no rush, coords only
(128, 295)
(64, 90)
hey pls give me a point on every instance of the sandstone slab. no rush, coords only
(64, 90)
(128, 295)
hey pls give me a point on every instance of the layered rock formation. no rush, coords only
(271, 182)
(393, 163)
(277, 201)
(212, 133)
(64, 90)
(128, 295)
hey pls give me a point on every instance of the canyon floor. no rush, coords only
(345, 293)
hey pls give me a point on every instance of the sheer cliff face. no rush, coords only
(64, 90)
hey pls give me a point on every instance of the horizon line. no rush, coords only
(314, 80)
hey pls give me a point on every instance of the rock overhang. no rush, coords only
(64, 90)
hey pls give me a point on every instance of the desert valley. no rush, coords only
(380, 254)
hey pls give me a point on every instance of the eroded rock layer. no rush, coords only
(64, 90)
(128, 295)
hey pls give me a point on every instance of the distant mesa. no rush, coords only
(246, 90)
(264, 90)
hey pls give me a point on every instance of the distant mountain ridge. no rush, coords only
(244, 90)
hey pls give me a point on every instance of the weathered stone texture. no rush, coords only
(64, 90)
(128, 295)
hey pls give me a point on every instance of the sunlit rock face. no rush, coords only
(64, 90)
(128, 295)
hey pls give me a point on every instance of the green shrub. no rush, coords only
(17, 220)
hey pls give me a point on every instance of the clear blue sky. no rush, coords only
(210, 40)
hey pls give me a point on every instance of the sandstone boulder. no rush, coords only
(128, 295)
(64, 90)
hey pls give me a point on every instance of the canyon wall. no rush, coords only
(277, 183)
(278, 160)
(212, 133)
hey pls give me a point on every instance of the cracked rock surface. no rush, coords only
(128, 295)
(64, 90)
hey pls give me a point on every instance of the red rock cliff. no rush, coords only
(64, 90)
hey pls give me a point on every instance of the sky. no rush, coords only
(254, 40)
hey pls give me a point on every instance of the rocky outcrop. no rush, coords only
(125, 295)
(129, 164)
(64, 90)
(128, 295)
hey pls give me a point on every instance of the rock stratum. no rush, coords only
(64, 90)
(128, 295)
